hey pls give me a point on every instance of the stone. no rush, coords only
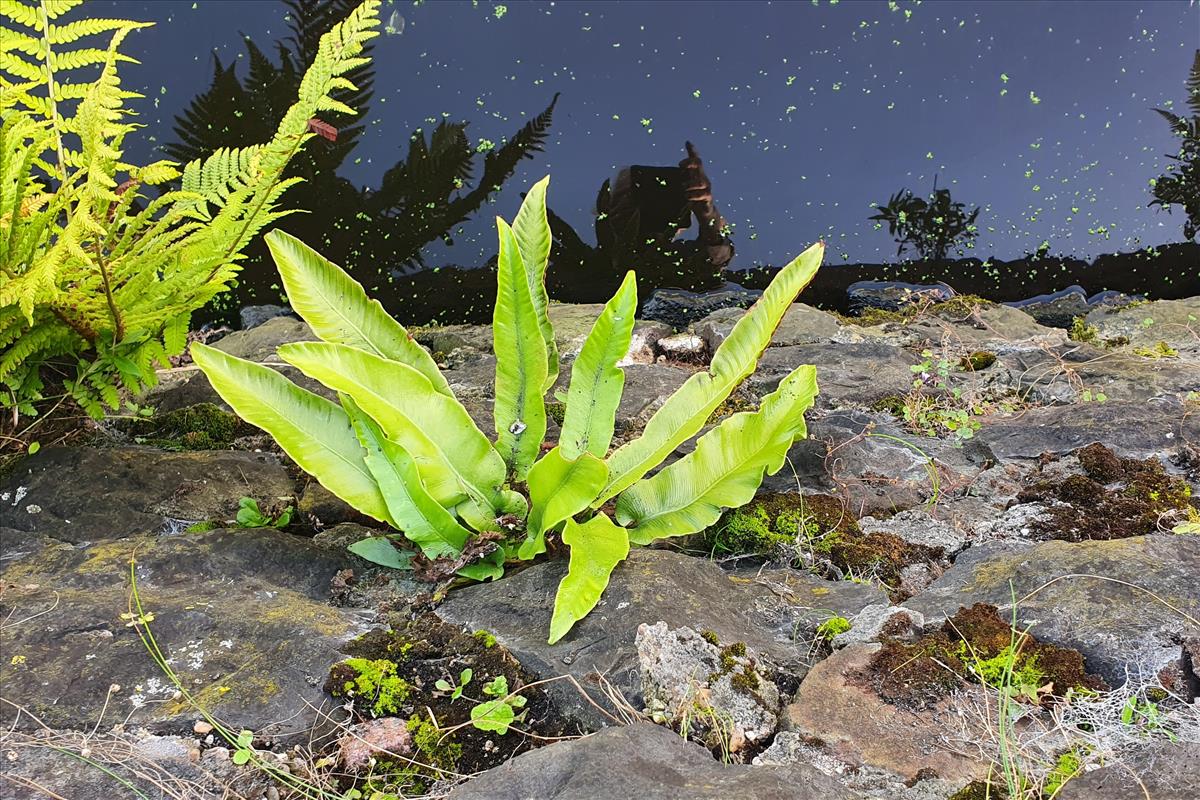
(646, 762)
(860, 729)
(647, 387)
(995, 327)
(1176, 322)
(1063, 374)
(82, 494)
(444, 339)
(1162, 771)
(801, 324)
(1097, 611)
(688, 677)
(790, 747)
(684, 347)
(242, 616)
(875, 465)
(873, 621)
(375, 738)
(917, 526)
(1056, 310)
(775, 614)
(892, 295)
(572, 322)
(49, 764)
(323, 508)
(680, 308)
(253, 316)
(1155, 427)
(847, 374)
(643, 342)
(189, 386)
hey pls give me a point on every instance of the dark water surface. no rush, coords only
(804, 114)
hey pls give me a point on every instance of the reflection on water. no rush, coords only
(705, 142)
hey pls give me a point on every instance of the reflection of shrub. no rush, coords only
(931, 227)
(1180, 186)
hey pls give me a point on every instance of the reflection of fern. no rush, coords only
(84, 272)
(416, 193)
(420, 199)
(1181, 184)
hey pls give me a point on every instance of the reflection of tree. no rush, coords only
(421, 198)
(1180, 186)
(930, 226)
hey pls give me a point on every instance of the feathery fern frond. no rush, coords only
(84, 271)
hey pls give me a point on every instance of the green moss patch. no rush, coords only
(1115, 498)
(978, 360)
(980, 790)
(204, 426)
(957, 308)
(975, 646)
(791, 525)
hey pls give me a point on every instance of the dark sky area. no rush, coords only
(805, 112)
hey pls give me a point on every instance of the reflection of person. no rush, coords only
(640, 216)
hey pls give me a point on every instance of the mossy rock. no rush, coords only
(975, 645)
(785, 524)
(955, 308)
(204, 426)
(1116, 498)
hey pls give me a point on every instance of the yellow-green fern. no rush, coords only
(96, 278)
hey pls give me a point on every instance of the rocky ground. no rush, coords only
(977, 569)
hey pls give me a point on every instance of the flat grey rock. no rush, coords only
(81, 494)
(847, 374)
(642, 762)
(1162, 772)
(1131, 429)
(242, 616)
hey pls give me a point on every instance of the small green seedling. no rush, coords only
(250, 516)
(244, 751)
(497, 714)
(1143, 714)
(456, 691)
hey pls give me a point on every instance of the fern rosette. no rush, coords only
(401, 448)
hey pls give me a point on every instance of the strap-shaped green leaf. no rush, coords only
(685, 411)
(596, 380)
(315, 432)
(455, 459)
(488, 568)
(725, 469)
(559, 488)
(521, 359)
(338, 310)
(380, 550)
(423, 521)
(597, 546)
(532, 232)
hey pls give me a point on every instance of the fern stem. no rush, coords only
(55, 119)
(114, 312)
